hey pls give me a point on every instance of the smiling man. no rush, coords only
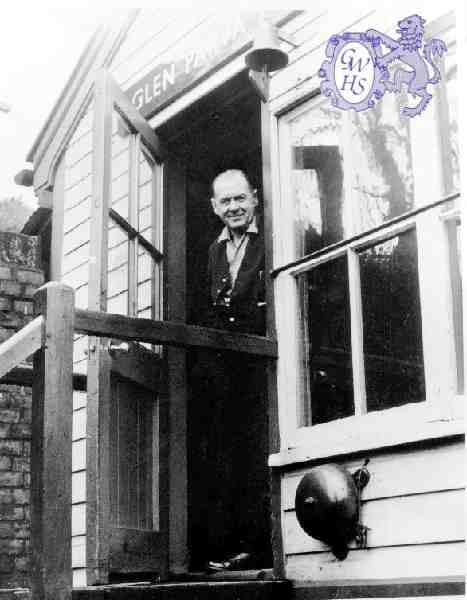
(236, 257)
(231, 388)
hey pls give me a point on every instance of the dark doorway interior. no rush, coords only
(228, 484)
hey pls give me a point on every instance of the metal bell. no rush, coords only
(266, 52)
(327, 506)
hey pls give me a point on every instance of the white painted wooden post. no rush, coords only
(52, 409)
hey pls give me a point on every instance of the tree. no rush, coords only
(13, 213)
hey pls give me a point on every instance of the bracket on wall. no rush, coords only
(260, 83)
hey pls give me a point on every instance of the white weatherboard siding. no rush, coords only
(414, 507)
(414, 502)
(74, 272)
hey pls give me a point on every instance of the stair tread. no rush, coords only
(212, 590)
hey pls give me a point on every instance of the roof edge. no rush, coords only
(94, 43)
(81, 60)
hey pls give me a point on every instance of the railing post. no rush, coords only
(52, 413)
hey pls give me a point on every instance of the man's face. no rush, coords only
(234, 203)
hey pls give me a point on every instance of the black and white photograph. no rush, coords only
(232, 356)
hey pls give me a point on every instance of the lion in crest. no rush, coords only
(408, 50)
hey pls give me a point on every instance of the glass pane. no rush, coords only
(117, 269)
(145, 265)
(350, 171)
(116, 234)
(118, 255)
(392, 326)
(145, 220)
(145, 168)
(318, 179)
(119, 187)
(118, 304)
(145, 298)
(453, 183)
(328, 354)
(146, 313)
(145, 196)
(121, 206)
(382, 177)
(117, 280)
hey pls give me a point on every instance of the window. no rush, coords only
(134, 267)
(367, 261)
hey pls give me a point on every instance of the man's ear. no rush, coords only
(213, 204)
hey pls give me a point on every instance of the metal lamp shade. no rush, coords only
(266, 52)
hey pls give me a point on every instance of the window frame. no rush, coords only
(130, 228)
(441, 413)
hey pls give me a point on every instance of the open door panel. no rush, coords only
(126, 524)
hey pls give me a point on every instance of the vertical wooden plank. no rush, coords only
(175, 278)
(98, 507)
(52, 410)
(133, 220)
(456, 291)
(98, 402)
(101, 179)
(356, 316)
(273, 406)
(56, 257)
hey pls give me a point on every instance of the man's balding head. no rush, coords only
(228, 175)
(233, 200)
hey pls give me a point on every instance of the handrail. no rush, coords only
(170, 333)
(21, 345)
(49, 338)
(51, 442)
(24, 375)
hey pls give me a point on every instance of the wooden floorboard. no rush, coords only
(218, 590)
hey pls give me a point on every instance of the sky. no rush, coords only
(39, 48)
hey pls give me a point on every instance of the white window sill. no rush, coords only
(385, 429)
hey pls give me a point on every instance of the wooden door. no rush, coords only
(136, 540)
(127, 504)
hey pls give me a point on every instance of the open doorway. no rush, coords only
(227, 423)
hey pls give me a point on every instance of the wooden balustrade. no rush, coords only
(51, 435)
(50, 337)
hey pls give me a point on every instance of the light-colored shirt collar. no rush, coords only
(225, 233)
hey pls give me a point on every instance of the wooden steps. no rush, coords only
(202, 590)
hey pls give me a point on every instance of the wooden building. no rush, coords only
(363, 353)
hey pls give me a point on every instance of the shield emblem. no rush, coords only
(351, 76)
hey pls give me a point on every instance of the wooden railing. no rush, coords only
(50, 338)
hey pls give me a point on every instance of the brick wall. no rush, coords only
(20, 276)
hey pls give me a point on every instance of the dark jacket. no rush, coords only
(244, 309)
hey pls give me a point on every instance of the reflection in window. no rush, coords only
(382, 178)
(327, 335)
(392, 331)
(373, 147)
(317, 179)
